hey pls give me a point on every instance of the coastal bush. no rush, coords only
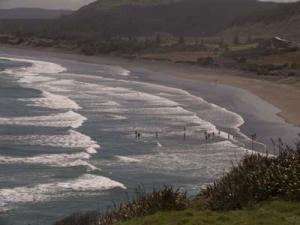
(256, 178)
(143, 204)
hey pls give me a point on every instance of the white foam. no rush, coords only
(213, 112)
(33, 76)
(127, 159)
(114, 70)
(73, 139)
(162, 105)
(150, 99)
(106, 110)
(50, 191)
(68, 119)
(52, 101)
(208, 161)
(117, 117)
(235, 119)
(169, 111)
(37, 67)
(53, 160)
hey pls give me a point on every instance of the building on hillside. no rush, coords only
(277, 43)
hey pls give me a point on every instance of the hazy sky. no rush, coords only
(51, 4)
(57, 4)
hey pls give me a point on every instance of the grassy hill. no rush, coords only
(100, 5)
(107, 19)
(283, 20)
(209, 33)
(31, 13)
(136, 18)
(266, 213)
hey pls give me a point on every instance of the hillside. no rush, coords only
(186, 17)
(32, 13)
(283, 20)
(100, 5)
(267, 213)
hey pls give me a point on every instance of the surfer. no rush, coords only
(205, 135)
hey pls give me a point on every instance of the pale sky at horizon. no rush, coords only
(60, 4)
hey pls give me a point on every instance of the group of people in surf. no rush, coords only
(138, 135)
(207, 135)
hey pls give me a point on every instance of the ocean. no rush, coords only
(68, 135)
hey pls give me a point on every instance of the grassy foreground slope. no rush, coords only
(261, 189)
(266, 213)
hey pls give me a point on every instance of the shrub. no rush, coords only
(256, 178)
(144, 204)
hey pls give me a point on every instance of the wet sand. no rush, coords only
(285, 97)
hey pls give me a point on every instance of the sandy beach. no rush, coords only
(283, 96)
(73, 119)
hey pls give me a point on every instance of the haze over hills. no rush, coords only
(32, 13)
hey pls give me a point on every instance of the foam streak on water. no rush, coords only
(50, 191)
(68, 119)
(112, 106)
(53, 160)
(73, 139)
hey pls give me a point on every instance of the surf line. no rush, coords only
(38, 76)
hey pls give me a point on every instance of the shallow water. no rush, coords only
(67, 135)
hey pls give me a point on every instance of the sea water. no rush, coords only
(68, 138)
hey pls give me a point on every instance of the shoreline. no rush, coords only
(283, 96)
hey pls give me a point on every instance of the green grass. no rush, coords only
(255, 191)
(267, 213)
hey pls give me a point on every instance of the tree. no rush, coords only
(158, 39)
(181, 40)
(249, 39)
(236, 40)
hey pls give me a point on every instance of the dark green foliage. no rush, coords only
(206, 61)
(236, 40)
(158, 40)
(88, 218)
(257, 178)
(188, 17)
(267, 69)
(181, 40)
(278, 12)
(144, 204)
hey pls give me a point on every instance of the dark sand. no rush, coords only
(285, 97)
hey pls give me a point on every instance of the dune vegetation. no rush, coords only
(261, 189)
